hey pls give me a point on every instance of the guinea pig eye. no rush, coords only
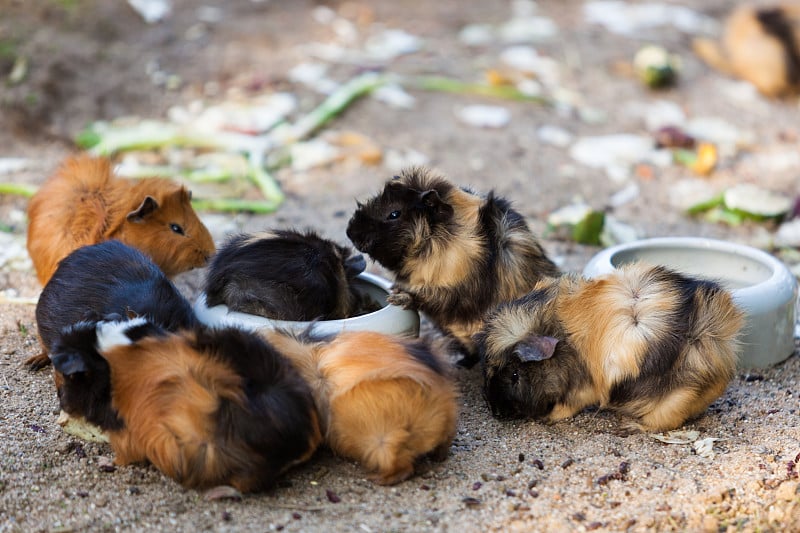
(514, 378)
(177, 228)
(394, 215)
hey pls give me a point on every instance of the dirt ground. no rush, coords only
(91, 59)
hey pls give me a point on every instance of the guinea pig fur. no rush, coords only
(650, 343)
(109, 278)
(84, 203)
(206, 407)
(455, 255)
(759, 44)
(383, 400)
(285, 275)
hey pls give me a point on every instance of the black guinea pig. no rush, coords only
(105, 280)
(455, 254)
(285, 275)
(649, 343)
(207, 407)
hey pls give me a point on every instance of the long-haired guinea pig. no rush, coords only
(645, 341)
(285, 275)
(760, 44)
(206, 407)
(109, 278)
(455, 254)
(84, 203)
(383, 400)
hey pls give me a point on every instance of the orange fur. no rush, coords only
(84, 203)
(378, 404)
(169, 395)
(748, 51)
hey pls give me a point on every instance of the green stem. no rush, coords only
(19, 189)
(449, 85)
(236, 205)
(334, 104)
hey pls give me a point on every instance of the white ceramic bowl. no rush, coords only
(761, 286)
(388, 319)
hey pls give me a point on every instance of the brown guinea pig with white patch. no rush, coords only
(84, 203)
(645, 341)
(455, 255)
(285, 275)
(207, 407)
(383, 400)
(760, 44)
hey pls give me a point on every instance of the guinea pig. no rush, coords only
(455, 255)
(645, 341)
(207, 407)
(109, 278)
(383, 400)
(84, 203)
(285, 275)
(760, 44)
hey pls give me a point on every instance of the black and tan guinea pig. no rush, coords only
(85, 203)
(645, 341)
(109, 278)
(383, 400)
(285, 275)
(759, 44)
(206, 407)
(455, 255)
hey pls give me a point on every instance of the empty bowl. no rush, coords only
(761, 285)
(389, 319)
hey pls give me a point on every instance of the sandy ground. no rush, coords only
(89, 60)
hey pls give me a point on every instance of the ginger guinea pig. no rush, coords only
(455, 255)
(285, 275)
(206, 407)
(84, 203)
(383, 400)
(760, 44)
(109, 278)
(650, 343)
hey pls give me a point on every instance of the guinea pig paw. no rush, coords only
(400, 299)
(222, 492)
(37, 362)
(392, 477)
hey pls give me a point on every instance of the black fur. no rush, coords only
(287, 276)
(85, 388)
(421, 351)
(278, 420)
(105, 280)
(775, 23)
(102, 281)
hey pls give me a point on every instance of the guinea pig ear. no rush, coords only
(69, 363)
(148, 206)
(535, 348)
(431, 201)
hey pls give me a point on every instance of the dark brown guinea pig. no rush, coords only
(455, 255)
(759, 44)
(84, 203)
(206, 407)
(645, 341)
(285, 275)
(109, 278)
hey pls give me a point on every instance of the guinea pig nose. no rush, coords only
(355, 265)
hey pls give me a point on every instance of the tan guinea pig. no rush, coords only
(383, 401)
(84, 203)
(760, 44)
(645, 341)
